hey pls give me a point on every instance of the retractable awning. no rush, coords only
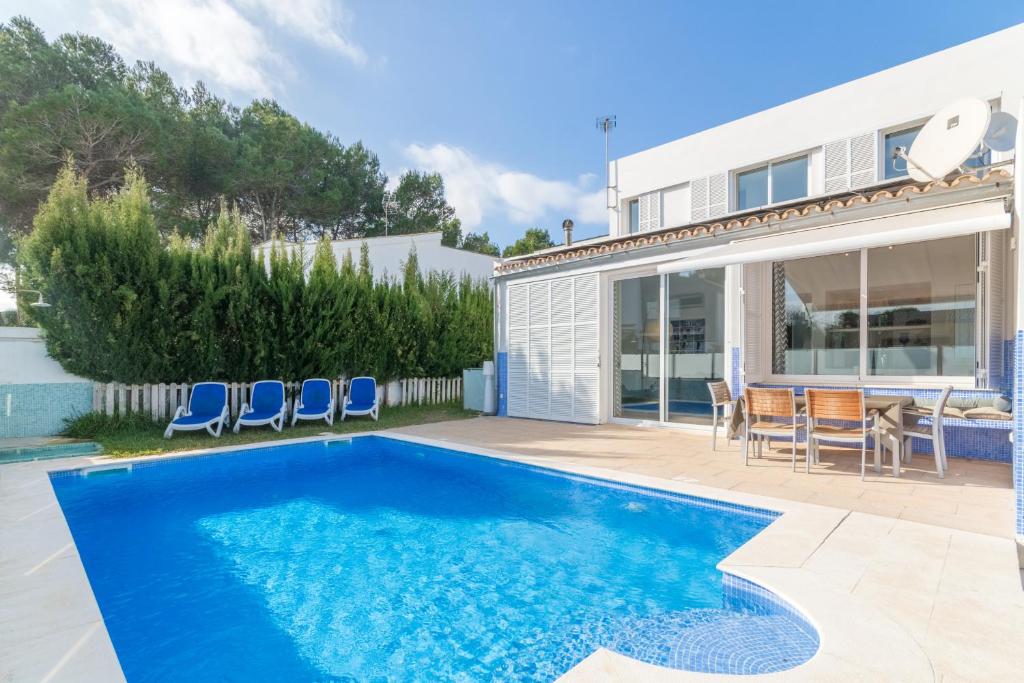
(918, 226)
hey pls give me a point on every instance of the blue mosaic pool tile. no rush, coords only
(735, 383)
(755, 632)
(1018, 430)
(1006, 379)
(502, 370)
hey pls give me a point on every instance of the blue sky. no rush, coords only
(501, 97)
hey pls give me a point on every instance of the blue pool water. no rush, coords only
(379, 560)
(49, 451)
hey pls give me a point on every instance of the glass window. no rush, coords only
(777, 182)
(634, 215)
(789, 180)
(901, 138)
(752, 189)
(897, 168)
(638, 348)
(695, 343)
(921, 308)
(816, 315)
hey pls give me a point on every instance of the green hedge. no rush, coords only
(129, 308)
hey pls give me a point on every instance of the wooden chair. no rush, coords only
(912, 427)
(763, 404)
(721, 400)
(839, 405)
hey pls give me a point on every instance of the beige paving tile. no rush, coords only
(777, 491)
(986, 525)
(79, 654)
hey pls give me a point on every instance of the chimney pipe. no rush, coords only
(567, 227)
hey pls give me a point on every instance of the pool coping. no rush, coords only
(51, 622)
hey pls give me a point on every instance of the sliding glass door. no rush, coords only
(695, 346)
(669, 342)
(638, 348)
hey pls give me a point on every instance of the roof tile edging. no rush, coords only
(708, 229)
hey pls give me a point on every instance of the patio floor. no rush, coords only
(974, 496)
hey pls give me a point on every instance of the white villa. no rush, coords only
(789, 248)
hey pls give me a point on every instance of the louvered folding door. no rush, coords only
(553, 371)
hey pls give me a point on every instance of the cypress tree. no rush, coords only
(128, 308)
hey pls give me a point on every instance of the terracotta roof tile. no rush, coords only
(668, 235)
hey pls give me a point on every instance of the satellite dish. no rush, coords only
(948, 139)
(1002, 132)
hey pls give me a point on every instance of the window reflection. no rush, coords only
(696, 342)
(816, 315)
(789, 180)
(921, 308)
(638, 351)
(901, 138)
(752, 188)
(905, 138)
(779, 181)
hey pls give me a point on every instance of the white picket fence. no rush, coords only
(160, 401)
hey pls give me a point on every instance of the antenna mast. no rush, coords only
(605, 125)
(390, 204)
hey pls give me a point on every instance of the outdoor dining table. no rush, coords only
(888, 409)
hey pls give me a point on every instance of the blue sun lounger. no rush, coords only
(362, 398)
(207, 409)
(316, 402)
(268, 406)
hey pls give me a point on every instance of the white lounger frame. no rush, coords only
(277, 421)
(329, 415)
(372, 412)
(208, 426)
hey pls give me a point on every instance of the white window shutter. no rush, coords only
(709, 197)
(699, 199)
(718, 195)
(518, 350)
(560, 407)
(754, 303)
(650, 211)
(540, 349)
(863, 159)
(837, 166)
(644, 211)
(851, 162)
(654, 210)
(586, 352)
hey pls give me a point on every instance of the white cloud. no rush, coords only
(220, 41)
(323, 22)
(478, 188)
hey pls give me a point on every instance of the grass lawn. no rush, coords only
(136, 435)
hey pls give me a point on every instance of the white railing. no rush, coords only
(160, 401)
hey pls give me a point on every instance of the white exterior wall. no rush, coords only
(988, 68)
(25, 360)
(388, 255)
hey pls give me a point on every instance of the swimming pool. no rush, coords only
(379, 559)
